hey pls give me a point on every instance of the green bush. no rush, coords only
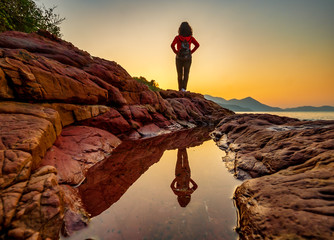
(26, 16)
(153, 85)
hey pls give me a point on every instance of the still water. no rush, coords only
(170, 187)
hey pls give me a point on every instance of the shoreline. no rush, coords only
(288, 165)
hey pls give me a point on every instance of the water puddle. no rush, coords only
(169, 187)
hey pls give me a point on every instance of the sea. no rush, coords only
(300, 115)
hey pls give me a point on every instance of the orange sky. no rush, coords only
(278, 52)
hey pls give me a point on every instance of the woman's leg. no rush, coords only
(186, 65)
(179, 69)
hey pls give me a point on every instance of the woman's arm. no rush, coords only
(195, 186)
(173, 45)
(196, 45)
(172, 185)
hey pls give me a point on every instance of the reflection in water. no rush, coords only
(107, 181)
(181, 183)
(129, 195)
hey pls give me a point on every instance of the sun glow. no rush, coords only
(280, 53)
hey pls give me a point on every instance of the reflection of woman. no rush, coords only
(181, 183)
(183, 53)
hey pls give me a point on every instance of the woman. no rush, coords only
(183, 53)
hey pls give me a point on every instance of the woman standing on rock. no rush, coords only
(183, 53)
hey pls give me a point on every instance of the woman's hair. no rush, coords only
(185, 30)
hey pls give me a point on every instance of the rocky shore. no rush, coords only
(290, 167)
(66, 116)
(62, 111)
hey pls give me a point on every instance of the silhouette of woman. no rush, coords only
(181, 183)
(183, 53)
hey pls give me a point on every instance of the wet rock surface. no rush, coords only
(292, 163)
(76, 150)
(61, 112)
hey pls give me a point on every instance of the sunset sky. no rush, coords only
(280, 52)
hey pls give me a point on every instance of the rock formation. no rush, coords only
(292, 165)
(61, 112)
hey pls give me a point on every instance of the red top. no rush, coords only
(179, 39)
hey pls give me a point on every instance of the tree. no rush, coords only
(153, 85)
(26, 16)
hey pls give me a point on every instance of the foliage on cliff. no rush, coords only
(153, 85)
(26, 16)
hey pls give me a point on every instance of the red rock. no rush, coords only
(125, 112)
(44, 45)
(34, 110)
(150, 130)
(15, 166)
(40, 209)
(108, 71)
(149, 97)
(139, 113)
(5, 91)
(193, 107)
(111, 121)
(45, 68)
(68, 86)
(76, 150)
(35, 83)
(160, 120)
(294, 203)
(27, 133)
(266, 143)
(70, 113)
(294, 199)
(76, 217)
(179, 109)
(10, 198)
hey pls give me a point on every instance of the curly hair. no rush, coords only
(185, 30)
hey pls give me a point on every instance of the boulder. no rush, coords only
(26, 133)
(36, 110)
(194, 108)
(15, 166)
(37, 204)
(36, 78)
(5, 91)
(111, 121)
(76, 150)
(71, 113)
(292, 166)
(295, 203)
(257, 145)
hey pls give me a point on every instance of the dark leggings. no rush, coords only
(183, 67)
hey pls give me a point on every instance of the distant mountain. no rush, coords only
(244, 105)
(236, 108)
(251, 105)
(254, 105)
(310, 109)
(227, 104)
